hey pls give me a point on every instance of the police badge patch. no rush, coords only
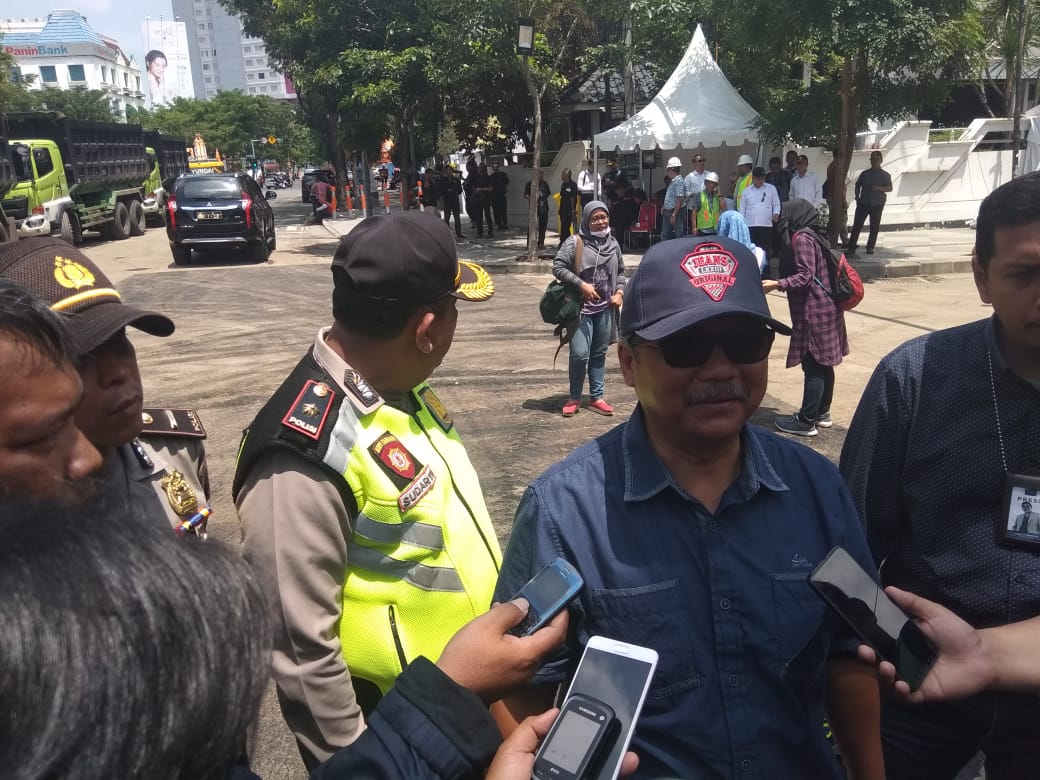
(398, 463)
(438, 411)
(309, 411)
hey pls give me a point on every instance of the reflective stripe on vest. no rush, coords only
(708, 218)
(423, 543)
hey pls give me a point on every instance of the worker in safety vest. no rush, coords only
(361, 512)
(744, 166)
(710, 204)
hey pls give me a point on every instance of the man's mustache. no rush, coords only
(717, 392)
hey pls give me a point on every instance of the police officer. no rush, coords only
(361, 512)
(153, 459)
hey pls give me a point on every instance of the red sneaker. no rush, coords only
(599, 406)
(570, 408)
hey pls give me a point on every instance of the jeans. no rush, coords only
(933, 741)
(862, 212)
(668, 230)
(589, 353)
(819, 390)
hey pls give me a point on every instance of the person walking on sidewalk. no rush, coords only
(451, 189)
(872, 188)
(591, 262)
(819, 341)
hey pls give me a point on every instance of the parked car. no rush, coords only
(219, 211)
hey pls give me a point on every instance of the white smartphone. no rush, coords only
(618, 675)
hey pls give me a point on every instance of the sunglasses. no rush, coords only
(691, 348)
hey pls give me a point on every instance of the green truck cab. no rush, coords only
(74, 175)
(167, 159)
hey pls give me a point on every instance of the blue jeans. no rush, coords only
(589, 352)
(668, 230)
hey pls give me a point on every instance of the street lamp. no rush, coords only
(525, 36)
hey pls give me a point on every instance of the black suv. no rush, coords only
(218, 211)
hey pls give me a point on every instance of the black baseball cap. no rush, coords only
(70, 283)
(408, 257)
(685, 281)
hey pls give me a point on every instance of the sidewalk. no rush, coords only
(899, 253)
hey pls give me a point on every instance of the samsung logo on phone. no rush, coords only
(585, 711)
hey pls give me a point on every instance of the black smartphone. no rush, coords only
(864, 605)
(547, 593)
(573, 745)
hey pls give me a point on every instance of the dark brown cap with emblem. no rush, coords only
(410, 258)
(71, 284)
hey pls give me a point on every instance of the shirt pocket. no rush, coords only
(649, 616)
(799, 634)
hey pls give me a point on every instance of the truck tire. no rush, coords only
(138, 219)
(181, 254)
(120, 222)
(69, 228)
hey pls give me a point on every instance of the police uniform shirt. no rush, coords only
(158, 475)
(301, 568)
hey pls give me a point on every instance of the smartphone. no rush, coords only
(547, 592)
(573, 745)
(865, 606)
(618, 675)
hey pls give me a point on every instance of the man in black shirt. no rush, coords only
(499, 188)
(944, 420)
(871, 188)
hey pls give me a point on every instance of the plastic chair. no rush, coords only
(645, 224)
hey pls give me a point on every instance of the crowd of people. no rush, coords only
(370, 563)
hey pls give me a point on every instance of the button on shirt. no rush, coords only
(724, 598)
(807, 187)
(759, 204)
(922, 459)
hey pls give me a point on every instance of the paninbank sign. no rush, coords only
(27, 51)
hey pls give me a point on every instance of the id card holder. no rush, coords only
(1019, 521)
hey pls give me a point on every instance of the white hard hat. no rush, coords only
(711, 176)
(673, 162)
(745, 159)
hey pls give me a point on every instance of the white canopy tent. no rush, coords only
(697, 110)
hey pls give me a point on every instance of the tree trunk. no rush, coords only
(335, 152)
(536, 166)
(854, 81)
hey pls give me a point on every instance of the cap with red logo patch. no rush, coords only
(688, 280)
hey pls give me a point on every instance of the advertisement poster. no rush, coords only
(167, 64)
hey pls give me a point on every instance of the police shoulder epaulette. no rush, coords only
(172, 422)
(309, 411)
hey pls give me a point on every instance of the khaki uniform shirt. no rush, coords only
(296, 530)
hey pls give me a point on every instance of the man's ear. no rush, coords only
(423, 335)
(981, 281)
(627, 357)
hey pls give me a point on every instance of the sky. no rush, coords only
(108, 17)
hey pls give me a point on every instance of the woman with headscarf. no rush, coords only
(733, 225)
(819, 341)
(591, 263)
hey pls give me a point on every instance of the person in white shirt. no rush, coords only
(760, 207)
(694, 185)
(588, 184)
(805, 184)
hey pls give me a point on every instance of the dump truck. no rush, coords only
(168, 159)
(8, 178)
(74, 175)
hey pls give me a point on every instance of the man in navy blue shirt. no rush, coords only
(695, 533)
(943, 422)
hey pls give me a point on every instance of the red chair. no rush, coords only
(645, 224)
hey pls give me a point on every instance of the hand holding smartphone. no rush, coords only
(547, 593)
(592, 733)
(865, 606)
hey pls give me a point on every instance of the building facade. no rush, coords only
(224, 57)
(64, 52)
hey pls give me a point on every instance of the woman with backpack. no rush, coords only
(591, 264)
(819, 341)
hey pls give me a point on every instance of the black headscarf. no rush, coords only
(798, 214)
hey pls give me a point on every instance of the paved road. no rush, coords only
(241, 327)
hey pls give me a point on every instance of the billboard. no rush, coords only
(167, 63)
